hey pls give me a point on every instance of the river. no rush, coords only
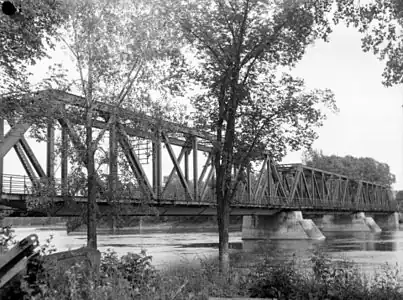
(172, 248)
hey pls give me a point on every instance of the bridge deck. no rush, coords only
(17, 190)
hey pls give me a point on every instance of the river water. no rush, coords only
(368, 250)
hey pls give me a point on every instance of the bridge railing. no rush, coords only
(22, 185)
(16, 184)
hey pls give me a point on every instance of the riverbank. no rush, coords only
(134, 277)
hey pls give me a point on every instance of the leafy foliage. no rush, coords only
(363, 168)
(327, 280)
(7, 238)
(26, 38)
(135, 268)
(381, 22)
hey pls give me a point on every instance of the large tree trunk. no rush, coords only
(223, 164)
(223, 184)
(92, 193)
(223, 225)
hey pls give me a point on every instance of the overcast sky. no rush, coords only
(369, 123)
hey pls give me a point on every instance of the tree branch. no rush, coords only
(259, 48)
(206, 45)
(229, 25)
(243, 28)
(122, 95)
(79, 64)
(243, 160)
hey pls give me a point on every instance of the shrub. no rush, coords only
(326, 280)
(132, 276)
(272, 280)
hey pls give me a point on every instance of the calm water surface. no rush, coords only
(167, 248)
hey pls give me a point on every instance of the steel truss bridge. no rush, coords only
(187, 190)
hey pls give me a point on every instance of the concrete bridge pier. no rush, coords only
(387, 221)
(347, 222)
(280, 225)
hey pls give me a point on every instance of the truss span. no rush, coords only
(191, 179)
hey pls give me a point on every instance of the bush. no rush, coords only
(136, 269)
(272, 280)
(327, 280)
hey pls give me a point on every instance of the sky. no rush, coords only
(369, 123)
(370, 120)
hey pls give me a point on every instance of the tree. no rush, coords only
(25, 40)
(363, 168)
(120, 52)
(241, 47)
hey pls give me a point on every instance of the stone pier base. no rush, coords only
(284, 225)
(348, 222)
(387, 221)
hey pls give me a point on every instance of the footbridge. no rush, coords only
(140, 148)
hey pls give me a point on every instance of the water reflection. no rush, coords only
(363, 241)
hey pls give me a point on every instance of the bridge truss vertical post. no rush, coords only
(195, 170)
(249, 184)
(157, 166)
(50, 151)
(113, 161)
(187, 165)
(64, 162)
(270, 180)
(1, 158)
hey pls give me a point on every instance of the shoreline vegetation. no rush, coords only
(268, 275)
(133, 276)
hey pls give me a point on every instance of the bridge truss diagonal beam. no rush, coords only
(135, 164)
(177, 167)
(31, 156)
(13, 136)
(25, 163)
(15, 139)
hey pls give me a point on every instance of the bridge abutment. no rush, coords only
(347, 222)
(283, 225)
(387, 221)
